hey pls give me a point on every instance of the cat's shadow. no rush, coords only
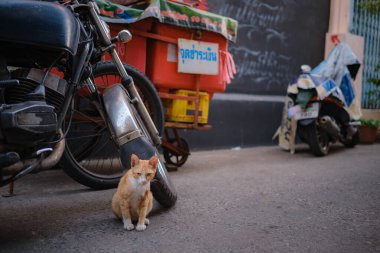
(157, 209)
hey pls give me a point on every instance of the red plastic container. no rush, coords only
(162, 68)
(135, 51)
(150, 52)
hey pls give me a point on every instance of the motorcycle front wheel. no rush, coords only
(91, 157)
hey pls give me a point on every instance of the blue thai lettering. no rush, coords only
(196, 55)
(192, 52)
(214, 57)
(182, 52)
(204, 56)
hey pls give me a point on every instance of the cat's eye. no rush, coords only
(149, 174)
(138, 174)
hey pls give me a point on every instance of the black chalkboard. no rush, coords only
(275, 37)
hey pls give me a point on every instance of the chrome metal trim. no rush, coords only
(120, 114)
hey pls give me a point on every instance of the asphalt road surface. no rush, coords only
(250, 200)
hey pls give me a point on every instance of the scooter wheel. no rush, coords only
(177, 158)
(354, 140)
(318, 140)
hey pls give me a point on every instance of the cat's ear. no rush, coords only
(134, 160)
(153, 161)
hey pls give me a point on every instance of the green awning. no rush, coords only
(170, 13)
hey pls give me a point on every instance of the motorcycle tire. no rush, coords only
(318, 140)
(162, 187)
(91, 157)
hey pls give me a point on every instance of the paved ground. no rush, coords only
(250, 200)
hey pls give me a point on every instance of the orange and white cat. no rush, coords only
(133, 199)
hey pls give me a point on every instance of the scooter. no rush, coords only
(317, 107)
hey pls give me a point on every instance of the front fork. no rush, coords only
(126, 79)
(136, 99)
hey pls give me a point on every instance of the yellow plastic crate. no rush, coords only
(181, 110)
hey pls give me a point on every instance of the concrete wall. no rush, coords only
(274, 38)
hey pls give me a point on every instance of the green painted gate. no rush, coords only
(366, 24)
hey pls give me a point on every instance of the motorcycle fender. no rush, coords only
(125, 127)
(121, 119)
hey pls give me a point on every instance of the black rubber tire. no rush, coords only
(318, 140)
(74, 167)
(162, 188)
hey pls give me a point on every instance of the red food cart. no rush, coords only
(184, 52)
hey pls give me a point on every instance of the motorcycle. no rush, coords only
(320, 102)
(50, 59)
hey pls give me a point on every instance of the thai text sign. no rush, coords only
(198, 57)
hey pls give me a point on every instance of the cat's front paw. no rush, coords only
(140, 227)
(128, 224)
(146, 221)
(129, 227)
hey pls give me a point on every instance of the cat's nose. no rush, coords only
(143, 180)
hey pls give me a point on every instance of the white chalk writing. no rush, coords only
(261, 50)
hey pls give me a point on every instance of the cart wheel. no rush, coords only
(177, 157)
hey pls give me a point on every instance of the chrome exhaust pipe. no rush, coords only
(330, 126)
(46, 163)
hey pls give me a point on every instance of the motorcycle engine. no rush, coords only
(55, 87)
(29, 116)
